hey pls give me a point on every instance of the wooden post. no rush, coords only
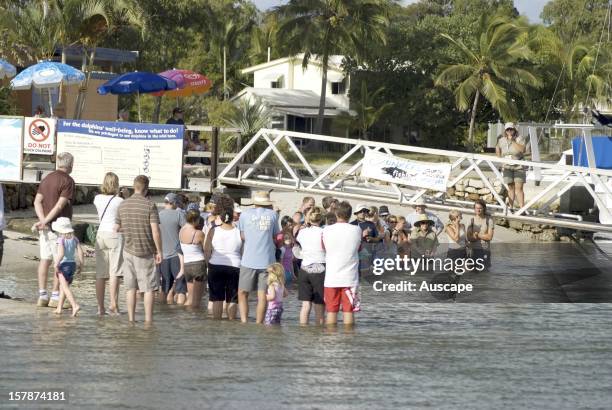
(214, 157)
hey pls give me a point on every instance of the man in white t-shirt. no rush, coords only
(342, 242)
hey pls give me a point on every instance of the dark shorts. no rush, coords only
(195, 271)
(67, 269)
(168, 269)
(223, 283)
(484, 254)
(310, 287)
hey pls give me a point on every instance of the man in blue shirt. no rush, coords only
(258, 227)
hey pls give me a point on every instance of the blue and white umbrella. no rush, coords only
(7, 70)
(47, 75)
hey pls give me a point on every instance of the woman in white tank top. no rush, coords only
(223, 251)
(192, 247)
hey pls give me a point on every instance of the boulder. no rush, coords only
(471, 190)
(484, 191)
(473, 196)
(476, 183)
(518, 225)
(549, 235)
(489, 198)
(450, 191)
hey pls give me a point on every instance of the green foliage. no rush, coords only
(7, 104)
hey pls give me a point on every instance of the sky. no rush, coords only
(530, 8)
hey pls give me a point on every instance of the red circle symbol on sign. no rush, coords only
(39, 130)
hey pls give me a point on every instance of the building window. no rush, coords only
(338, 88)
(277, 84)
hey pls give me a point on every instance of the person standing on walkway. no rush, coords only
(511, 145)
(171, 221)
(109, 244)
(53, 200)
(258, 227)
(138, 220)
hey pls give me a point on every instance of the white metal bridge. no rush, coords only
(272, 159)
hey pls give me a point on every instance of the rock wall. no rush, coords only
(473, 189)
(21, 196)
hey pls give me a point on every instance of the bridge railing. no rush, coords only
(276, 151)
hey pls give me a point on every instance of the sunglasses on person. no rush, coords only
(392, 221)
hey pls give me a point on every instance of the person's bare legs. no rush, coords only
(217, 309)
(305, 312)
(130, 301)
(58, 310)
(261, 306)
(189, 299)
(332, 319)
(181, 298)
(511, 194)
(114, 294)
(348, 318)
(210, 307)
(243, 305)
(66, 292)
(100, 288)
(148, 306)
(231, 311)
(198, 289)
(319, 313)
(519, 193)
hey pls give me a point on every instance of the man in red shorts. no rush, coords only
(342, 242)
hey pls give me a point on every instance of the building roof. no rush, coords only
(335, 63)
(303, 103)
(112, 55)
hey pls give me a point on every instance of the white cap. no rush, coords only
(360, 207)
(509, 126)
(237, 208)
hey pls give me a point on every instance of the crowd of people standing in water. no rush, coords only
(177, 253)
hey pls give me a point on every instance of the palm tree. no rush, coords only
(223, 35)
(248, 116)
(368, 113)
(320, 28)
(581, 72)
(490, 69)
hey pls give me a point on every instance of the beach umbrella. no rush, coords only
(188, 83)
(7, 70)
(47, 75)
(136, 82)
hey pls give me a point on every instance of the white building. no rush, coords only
(293, 92)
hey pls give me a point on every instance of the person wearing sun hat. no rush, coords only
(423, 239)
(258, 227)
(69, 262)
(420, 207)
(511, 145)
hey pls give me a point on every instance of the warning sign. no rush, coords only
(39, 136)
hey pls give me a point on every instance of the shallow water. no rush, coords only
(402, 353)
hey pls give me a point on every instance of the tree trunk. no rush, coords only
(81, 107)
(321, 114)
(473, 121)
(224, 74)
(157, 110)
(61, 86)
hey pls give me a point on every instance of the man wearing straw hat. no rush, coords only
(258, 227)
(420, 208)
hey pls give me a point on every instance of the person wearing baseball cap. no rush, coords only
(177, 117)
(512, 146)
(171, 220)
(420, 208)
